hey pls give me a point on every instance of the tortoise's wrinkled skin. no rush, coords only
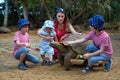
(69, 52)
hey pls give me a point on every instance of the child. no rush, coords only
(101, 49)
(21, 45)
(48, 35)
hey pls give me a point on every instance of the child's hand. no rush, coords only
(37, 49)
(49, 38)
(79, 33)
(27, 45)
(87, 55)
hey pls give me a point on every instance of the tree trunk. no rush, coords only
(48, 13)
(25, 11)
(6, 15)
(16, 4)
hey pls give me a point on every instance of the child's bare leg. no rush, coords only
(21, 65)
(44, 61)
(43, 57)
(51, 58)
(22, 58)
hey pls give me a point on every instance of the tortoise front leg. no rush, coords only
(67, 62)
(61, 59)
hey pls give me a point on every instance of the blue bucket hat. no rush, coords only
(48, 23)
(97, 21)
(23, 22)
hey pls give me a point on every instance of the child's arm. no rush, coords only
(87, 55)
(46, 37)
(74, 42)
(42, 36)
(18, 43)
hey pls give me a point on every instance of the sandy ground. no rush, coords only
(9, 71)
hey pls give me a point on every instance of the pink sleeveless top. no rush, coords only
(60, 32)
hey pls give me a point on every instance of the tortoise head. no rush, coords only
(60, 46)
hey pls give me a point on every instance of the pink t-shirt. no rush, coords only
(101, 40)
(23, 38)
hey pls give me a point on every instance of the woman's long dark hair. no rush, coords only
(58, 10)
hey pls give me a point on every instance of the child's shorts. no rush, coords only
(45, 48)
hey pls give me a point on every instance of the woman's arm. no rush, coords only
(56, 39)
(72, 29)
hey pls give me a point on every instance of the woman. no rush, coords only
(61, 25)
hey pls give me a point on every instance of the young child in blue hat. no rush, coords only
(22, 44)
(101, 49)
(48, 35)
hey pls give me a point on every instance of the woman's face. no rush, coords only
(60, 17)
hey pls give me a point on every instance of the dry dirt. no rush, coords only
(9, 71)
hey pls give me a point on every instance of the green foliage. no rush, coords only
(79, 56)
(30, 3)
(77, 10)
(115, 13)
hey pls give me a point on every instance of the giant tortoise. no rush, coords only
(69, 52)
